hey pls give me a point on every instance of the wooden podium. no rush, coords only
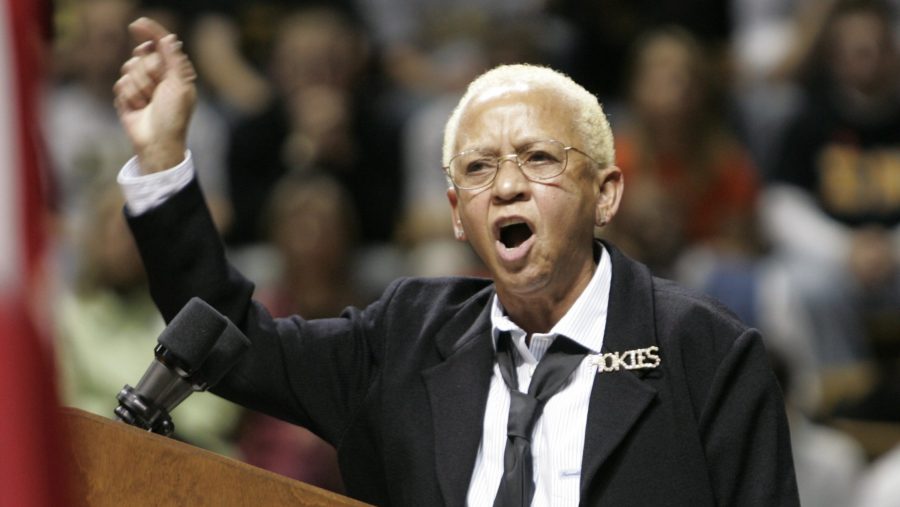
(114, 464)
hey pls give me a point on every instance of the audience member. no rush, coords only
(313, 230)
(85, 142)
(607, 30)
(107, 326)
(833, 209)
(770, 38)
(411, 34)
(690, 181)
(322, 118)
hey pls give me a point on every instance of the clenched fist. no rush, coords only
(155, 96)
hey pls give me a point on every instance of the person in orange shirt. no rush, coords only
(690, 181)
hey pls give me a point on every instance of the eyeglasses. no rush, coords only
(538, 161)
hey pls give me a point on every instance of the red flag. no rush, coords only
(30, 458)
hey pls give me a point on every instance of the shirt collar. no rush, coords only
(585, 321)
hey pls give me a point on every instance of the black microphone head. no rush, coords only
(190, 336)
(224, 355)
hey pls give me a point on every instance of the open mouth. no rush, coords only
(513, 235)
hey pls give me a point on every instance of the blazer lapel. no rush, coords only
(457, 389)
(618, 398)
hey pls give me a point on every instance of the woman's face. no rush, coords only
(665, 85)
(860, 50)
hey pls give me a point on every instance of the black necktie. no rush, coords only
(563, 356)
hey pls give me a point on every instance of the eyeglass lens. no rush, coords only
(538, 161)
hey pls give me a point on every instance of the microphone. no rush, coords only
(194, 352)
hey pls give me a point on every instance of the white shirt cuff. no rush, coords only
(146, 191)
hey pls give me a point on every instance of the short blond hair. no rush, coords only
(590, 120)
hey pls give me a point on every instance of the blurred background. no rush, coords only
(760, 140)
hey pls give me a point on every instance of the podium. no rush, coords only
(114, 464)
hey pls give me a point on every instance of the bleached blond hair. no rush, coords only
(590, 121)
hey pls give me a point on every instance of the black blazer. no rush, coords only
(400, 387)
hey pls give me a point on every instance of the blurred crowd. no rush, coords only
(760, 141)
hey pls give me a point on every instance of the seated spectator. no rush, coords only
(313, 231)
(86, 144)
(833, 210)
(107, 326)
(321, 118)
(690, 182)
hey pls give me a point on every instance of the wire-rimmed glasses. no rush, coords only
(539, 161)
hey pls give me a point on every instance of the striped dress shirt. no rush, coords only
(558, 438)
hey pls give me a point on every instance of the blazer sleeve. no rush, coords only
(745, 430)
(314, 373)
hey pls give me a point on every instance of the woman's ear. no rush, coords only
(609, 195)
(458, 230)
